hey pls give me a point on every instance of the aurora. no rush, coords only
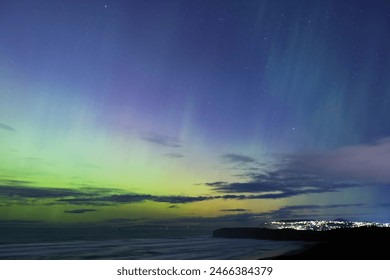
(194, 113)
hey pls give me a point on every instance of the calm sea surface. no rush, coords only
(202, 247)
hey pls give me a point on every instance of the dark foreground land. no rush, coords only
(364, 243)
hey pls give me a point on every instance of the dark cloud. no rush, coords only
(132, 198)
(6, 127)
(35, 192)
(181, 199)
(300, 174)
(105, 200)
(367, 163)
(235, 158)
(93, 190)
(127, 198)
(99, 197)
(95, 201)
(174, 155)
(234, 210)
(271, 185)
(79, 211)
(301, 211)
(216, 184)
(88, 196)
(20, 192)
(108, 197)
(162, 140)
(281, 184)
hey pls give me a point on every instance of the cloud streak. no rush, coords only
(234, 210)
(35, 192)
(174, 155)
(6, 127)
(133, 198)
(162, 140)
(235, 158)
(79, 211)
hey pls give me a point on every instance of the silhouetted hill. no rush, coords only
(344, 243)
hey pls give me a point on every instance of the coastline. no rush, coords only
(335, 251)
(365, 243)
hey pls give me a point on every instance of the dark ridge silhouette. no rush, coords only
(363, 243)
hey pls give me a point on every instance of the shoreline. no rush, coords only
(334, 251)
(365, 243)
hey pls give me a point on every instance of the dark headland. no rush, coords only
(361, 243)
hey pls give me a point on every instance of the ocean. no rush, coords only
(194, 248)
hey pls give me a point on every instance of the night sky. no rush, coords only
(188, 112)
